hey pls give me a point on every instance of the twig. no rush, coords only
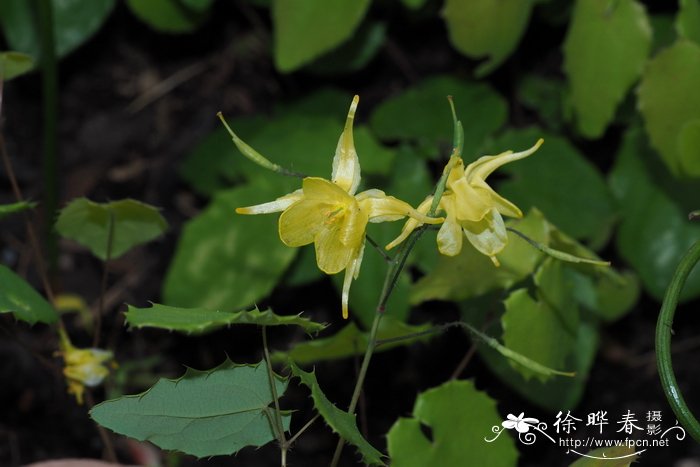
(165, 86)
(97, 326)
(465, 361)
(109, 454)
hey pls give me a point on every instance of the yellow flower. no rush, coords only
(330, 215)
(472, 207)
(83, 367)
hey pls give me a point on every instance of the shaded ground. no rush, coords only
(117, 140)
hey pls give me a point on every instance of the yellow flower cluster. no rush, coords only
(82, 367)
(330, 215)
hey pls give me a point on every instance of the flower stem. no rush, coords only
(279, 427)
(663, 342)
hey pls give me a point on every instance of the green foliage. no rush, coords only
(201, 320)
(486, 28)
(560, 182)
(654, 230)
(226, 261)
(170, 16)
(305, 30)
(20, 299)
(9, 209)
(354, 54)
(605, 50)
(544, 95)
(351, 341)
(688, 20)
(422, 115)
(670, 105)
(611, 457)
(75, 21)
(341, 422)
(459, 417)
(110, 229)
(14, 64)
(232, 401)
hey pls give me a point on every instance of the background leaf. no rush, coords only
(459, 418)
(654, 230)
(201, 320)
(14, 64)
(20, 299)
(170, 16)
(422, 115)
(611, 454)
(75, 21)
(605, 50)
(688, 20)
(225, 260)
(668, 100)
(486, 28)
(341, 422)
(559, 181)
(88, 223)
(306, 29)
(230, 401)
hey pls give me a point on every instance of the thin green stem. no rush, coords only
(279, 427)
(379, 249)
(302, 430)
(97, 325)
(49, 78)
(663, 342)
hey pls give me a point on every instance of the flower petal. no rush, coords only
(300, 223)
(503, 206)
(471, 203)
(354, 225)
(484, 166)
(411, 224)
(351, 272)
(489, 235)
(382, 208)
(280, 204)
(449, 237)
(320, 189)
(346, 165)
(332, 256)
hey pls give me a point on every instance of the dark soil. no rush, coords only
(110, 150)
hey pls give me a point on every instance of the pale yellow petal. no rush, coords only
(353, 226)
(332, 256)
(484, 166)
(382, 208)
(471, 203)
(489, 236)
(351, 273)
(346, 165)
(503, 206)
(280, 204)
(449, 237)
(320, 189)
(411, 224)
(300, 223)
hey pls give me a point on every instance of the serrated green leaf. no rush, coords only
(560, 182)
(486, 28)
(131, 223)
(471, 274)
(654, 231)
(422, 114)
(20, 299)
(168, 16)
(14, 64)
(75, 21)
(228, 261)
(459, 417)
(605, 50)
(203, 413)
(538, 330)
(351, 341)
(555, 393)
(688, 20)
(616, 456)
(8, 209)
(305, 30)
(341, 422)
(201, 320)
(668, 100)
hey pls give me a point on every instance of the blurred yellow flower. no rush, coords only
(328, 214)
(472, 207)
(83, 367)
